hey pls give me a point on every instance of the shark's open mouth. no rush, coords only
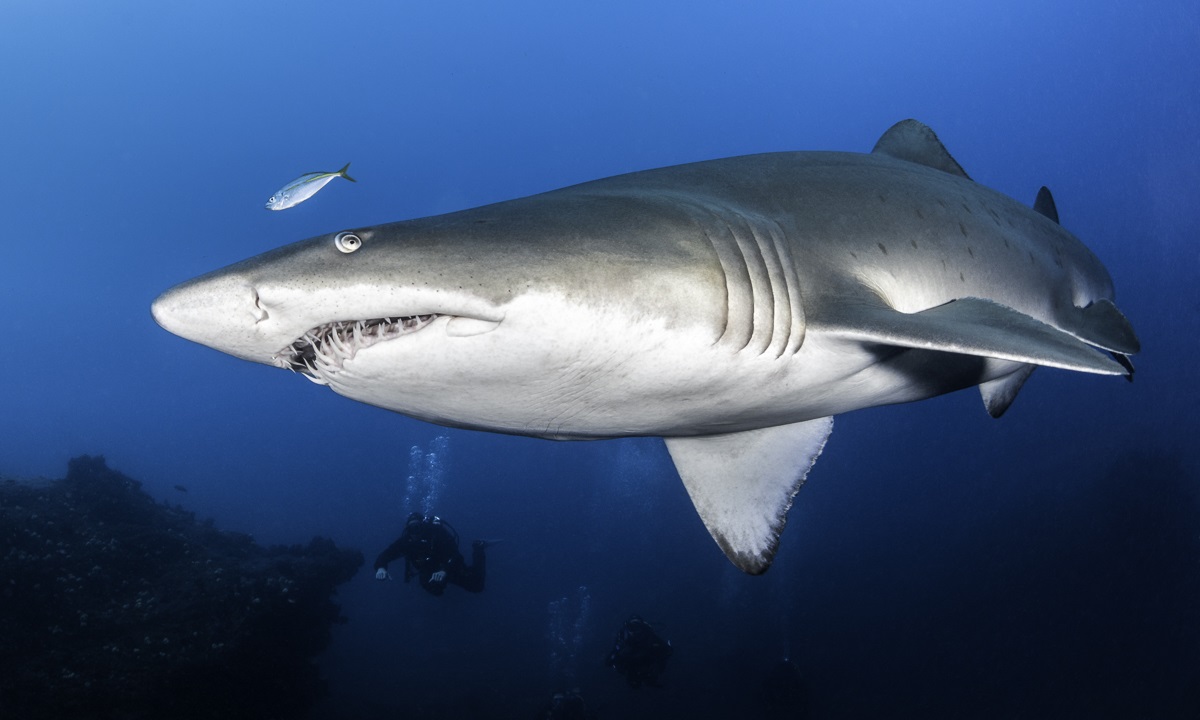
(321, 351)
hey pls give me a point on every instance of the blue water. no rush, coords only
(938, 563)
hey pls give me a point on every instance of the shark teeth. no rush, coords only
(321, 351)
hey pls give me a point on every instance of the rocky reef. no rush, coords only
(113, 605)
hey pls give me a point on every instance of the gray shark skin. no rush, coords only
(731, 307)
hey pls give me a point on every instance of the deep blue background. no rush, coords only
(937, 563)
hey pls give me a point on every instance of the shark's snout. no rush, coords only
(219, 312)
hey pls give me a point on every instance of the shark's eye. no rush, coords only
(347, 242)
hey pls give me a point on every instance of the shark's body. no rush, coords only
(731, 306)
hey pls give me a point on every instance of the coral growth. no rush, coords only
(115, 606)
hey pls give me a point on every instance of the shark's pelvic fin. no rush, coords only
(1044, 204)
(742, 484)
(970, 326)
(999, 394)
(915, 142)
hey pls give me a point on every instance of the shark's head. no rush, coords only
(478, 319)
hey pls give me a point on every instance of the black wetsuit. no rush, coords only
(429, 545)
(639, 653)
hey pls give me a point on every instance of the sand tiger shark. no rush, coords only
(731, 306)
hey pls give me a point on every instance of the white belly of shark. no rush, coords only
(731, 306)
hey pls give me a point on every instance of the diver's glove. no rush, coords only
(438, 577)
(381, 574)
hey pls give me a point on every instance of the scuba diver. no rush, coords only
(639, 653)
(429, 546)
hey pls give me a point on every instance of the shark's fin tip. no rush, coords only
(742, 484)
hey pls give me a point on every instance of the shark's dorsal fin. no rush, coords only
(742, 484)
(1044, 204)
(972, 326)
(999, 394)
(915, 142)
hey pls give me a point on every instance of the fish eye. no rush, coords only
(347, 242)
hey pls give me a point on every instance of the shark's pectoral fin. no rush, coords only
(742, 484)
(999, 394)
(968, 326)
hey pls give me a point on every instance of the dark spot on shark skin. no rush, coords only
(943, 264)
(963, 228)
(853, 254)
(970, 251)
(961, 278)
(882, 247)
(942, 203)
(1031, 260)
(1006, 245)
(968, 209)
(882, 199)
(920, 214)
(914, 244)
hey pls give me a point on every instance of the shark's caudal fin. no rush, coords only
(1103, 325)
(742, 484)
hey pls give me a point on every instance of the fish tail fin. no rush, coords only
(342, 172)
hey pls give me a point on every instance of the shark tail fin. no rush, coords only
(742, 484)
(342, 172)
(1103, 325)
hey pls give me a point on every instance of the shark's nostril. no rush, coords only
(260, 313)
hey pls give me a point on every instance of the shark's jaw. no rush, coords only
(322, 352)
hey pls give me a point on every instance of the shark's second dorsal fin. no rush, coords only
(915, 142)
(1045, 204)
(742, 484)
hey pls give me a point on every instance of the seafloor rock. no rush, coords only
(115, 606)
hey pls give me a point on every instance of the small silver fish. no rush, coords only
(304, 187)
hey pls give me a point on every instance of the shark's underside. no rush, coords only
(730, 306)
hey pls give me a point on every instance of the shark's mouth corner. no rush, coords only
(320, 353)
